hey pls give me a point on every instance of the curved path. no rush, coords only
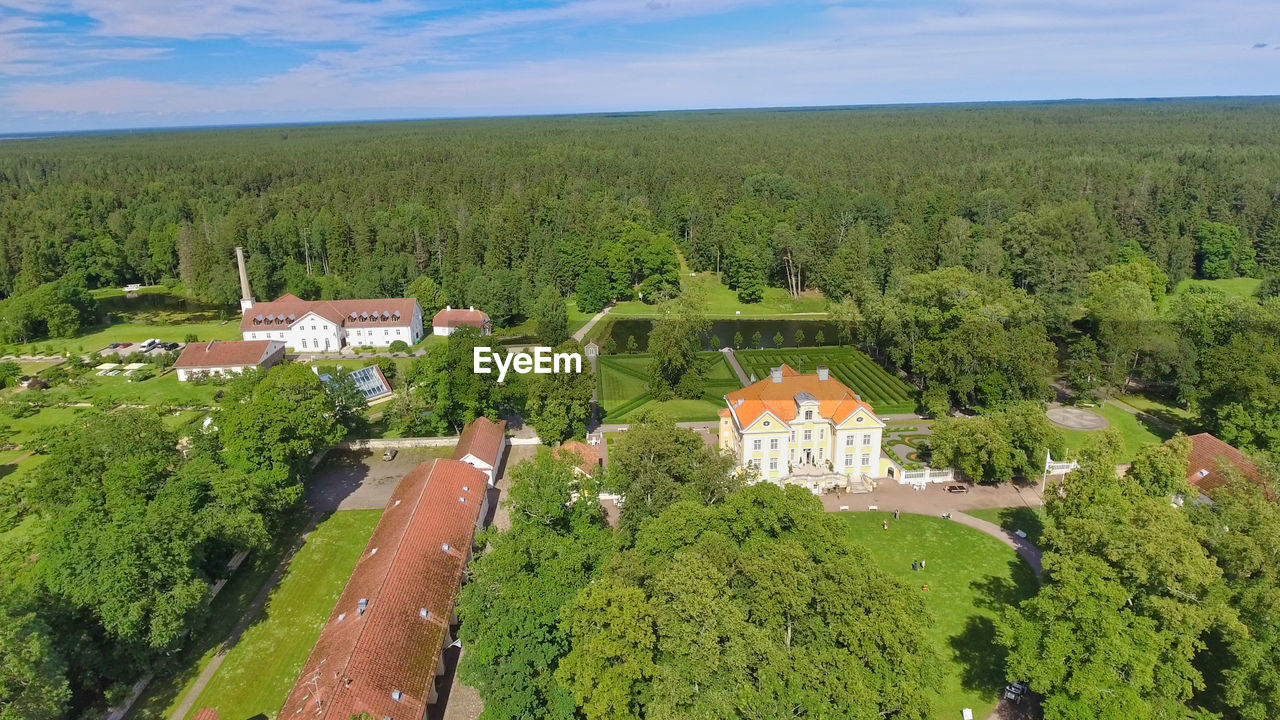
(1030, 553)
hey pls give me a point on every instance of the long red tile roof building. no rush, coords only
(380, 648)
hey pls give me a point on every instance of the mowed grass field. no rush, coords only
(623, 389)
(1134, 431)
(887, 393)
(102, 336)
(971, 578)
(722, 302)
(258, 672)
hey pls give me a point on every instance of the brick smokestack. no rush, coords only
(246, 295)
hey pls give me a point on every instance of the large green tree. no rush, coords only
(558, 405)
(725, 611)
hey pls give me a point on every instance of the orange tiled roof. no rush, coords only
(583, 456)
(224, 353)
(205, 714)
(408, 576)
(835, 400)
(286, 310)
(457, 317)
(1208, 454)
(481, 438)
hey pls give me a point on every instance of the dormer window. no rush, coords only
(808, 414)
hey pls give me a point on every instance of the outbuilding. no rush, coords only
(221, 357)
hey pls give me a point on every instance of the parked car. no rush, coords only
(390, 454)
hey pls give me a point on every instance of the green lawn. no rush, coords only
(1135, 432)
(971, 577)
(100, 337)
(259, 671)
(577, 318)
(887, 393)
(1238, 287)
(723, 302)
(1162, 409)
(622, 389)
(122, 390)
(1027, 519)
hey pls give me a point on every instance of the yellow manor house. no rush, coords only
(810, 430)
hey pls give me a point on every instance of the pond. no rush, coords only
(150, 302)
(722, 331)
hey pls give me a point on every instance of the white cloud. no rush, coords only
(987, 49)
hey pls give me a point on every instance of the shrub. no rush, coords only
(399, 346)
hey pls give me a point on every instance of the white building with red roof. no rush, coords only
(328, 325)
(448, 320)
(482, 444)
(223, 357)
(810, 430)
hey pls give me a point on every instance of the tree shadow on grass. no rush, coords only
(980, 658)
(1025, 519)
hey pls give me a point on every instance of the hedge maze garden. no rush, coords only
(623, 388)
(887, 393)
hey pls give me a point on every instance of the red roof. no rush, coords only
(1208, 457)
(583, 456)
(835, 400)
(456, 317)
(482, 439)
(205, 714)
(407, 577)
(226, 353)
(285, 311)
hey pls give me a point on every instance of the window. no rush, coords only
(793, 454)
(755, 444)
(859, 419)
(773, 463)
(820, 453)
(386, 332)
(866, 459)
(848, 460)
(773, 443)
(848, 441)
(304, 343)
(822, 433)
(808, 434)
(808, 414)
(866, 439)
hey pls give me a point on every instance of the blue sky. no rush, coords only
(82, 64)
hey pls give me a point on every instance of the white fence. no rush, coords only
(928, 475)
(410, 442)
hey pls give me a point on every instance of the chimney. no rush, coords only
(246, 295)
(776, 374)
(446, 307)
(822, 372)
(473, 308)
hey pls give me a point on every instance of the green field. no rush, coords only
(971, 577)
(622, 389)
(1027, 519)
(722, 302)
(887, 393)
(100, 337)
(1134, 430)
(258, 672)
(122, 390)
(1237, 287)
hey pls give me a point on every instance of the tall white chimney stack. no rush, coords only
(246, 295)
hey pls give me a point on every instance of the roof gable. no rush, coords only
(225, 353)
(482, 439)
(835, 400)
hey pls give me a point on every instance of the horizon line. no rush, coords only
(148, 129)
